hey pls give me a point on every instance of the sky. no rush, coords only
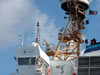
(19, 17)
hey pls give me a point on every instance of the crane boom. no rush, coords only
(71, 38)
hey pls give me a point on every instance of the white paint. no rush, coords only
(32, 51)
(94, 53)
(61, 68)
(86, 1)
(27, 52)
(83, 1)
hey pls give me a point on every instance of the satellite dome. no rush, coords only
(65, 4)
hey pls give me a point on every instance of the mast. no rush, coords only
(38, 33)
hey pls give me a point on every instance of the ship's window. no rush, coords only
(33, 60)
(95, 61)
(83, 61)
(23, 61)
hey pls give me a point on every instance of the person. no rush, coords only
(93, 41)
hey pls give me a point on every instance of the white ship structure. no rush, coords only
(32, 60)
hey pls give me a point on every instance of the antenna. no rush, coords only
(38, 33)
(21, 42)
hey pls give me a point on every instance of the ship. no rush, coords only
(32, 60)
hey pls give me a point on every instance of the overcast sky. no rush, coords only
(20, 17)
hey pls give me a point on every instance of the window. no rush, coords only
(95, 61)
(33, 60)
(23, 61)
(83, 61)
